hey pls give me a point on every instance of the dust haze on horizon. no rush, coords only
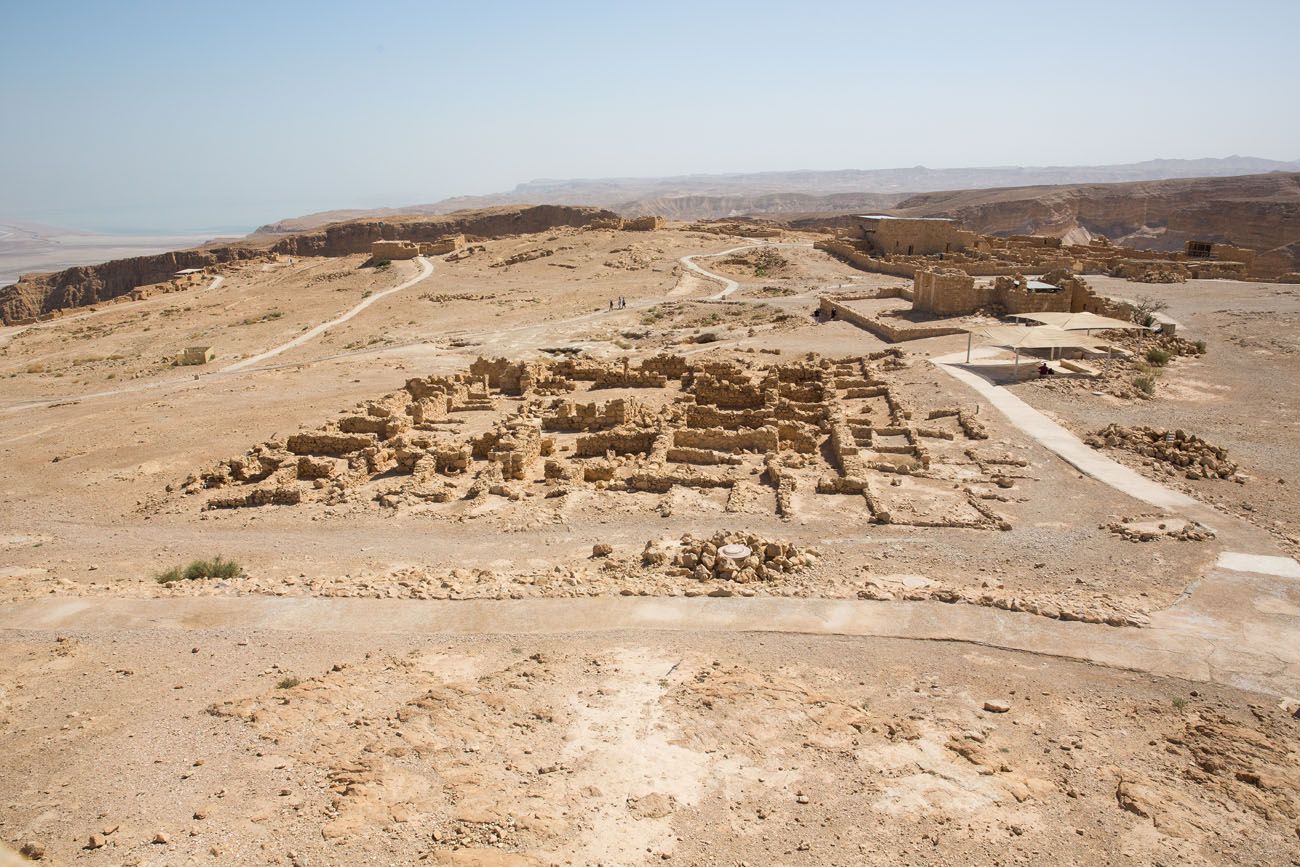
(149, 117)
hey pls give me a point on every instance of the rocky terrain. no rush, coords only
(77, 287)
(1260, 212)
(556, 550)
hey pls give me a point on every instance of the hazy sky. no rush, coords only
(191, 115)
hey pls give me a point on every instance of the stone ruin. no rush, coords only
(759, 439)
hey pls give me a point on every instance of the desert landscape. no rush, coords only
(608, 435)
(606, 542)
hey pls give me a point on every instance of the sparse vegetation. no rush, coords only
(1146, 308)
(217, 567)
(1200, 347)
(1145, 384)
(383, 264)
(1157, 356)
(288, 682)
(269, 316)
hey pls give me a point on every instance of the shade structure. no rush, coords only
(1017, 337)
(1034, 337)
(1078, 321)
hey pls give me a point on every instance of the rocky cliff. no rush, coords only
(355, 236)
(1261, 212)
(36, 294)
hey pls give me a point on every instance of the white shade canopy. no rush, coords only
(1078, 321)
(1035, 337)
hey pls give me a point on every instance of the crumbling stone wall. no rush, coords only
(571, 417)
(763, 439)
(643, 224)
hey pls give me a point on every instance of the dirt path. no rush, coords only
(7, 334)
(426, 268)
(728, 285)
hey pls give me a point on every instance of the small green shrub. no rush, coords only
(217, 567)
(288, 683)
(1200, 347)
(1178, 701)
(1145, 384)
(382, 264)
(1159, 357)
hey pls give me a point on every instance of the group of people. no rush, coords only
(618, 303)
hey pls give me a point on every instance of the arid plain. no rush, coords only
(1009, 647)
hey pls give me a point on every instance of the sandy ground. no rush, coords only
(625, 748)
(264, 747)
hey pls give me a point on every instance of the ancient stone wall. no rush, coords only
(763, 439)
(643, 224)
(443, 246)
(621, 441)
(884, 330)
(570, 417)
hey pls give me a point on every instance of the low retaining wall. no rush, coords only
(883, 330)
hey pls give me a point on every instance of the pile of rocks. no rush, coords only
(1138, 530)
(738, 557)
(1176, 448)
(1159, 275)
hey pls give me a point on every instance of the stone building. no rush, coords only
(1222, 252)
(913, 236)
(197, 355)
(953, 292)
(382, 250)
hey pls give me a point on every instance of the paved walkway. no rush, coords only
(1065, 444)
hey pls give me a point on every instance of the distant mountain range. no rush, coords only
(694, 197)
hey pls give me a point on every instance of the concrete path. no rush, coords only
(426, 268)
(1189, 644)
(1065, 444)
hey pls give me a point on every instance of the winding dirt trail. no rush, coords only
(728, 285)
(426, 268)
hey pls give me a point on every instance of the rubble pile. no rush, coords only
(1177, 448)
(738, 557)
(1149, 530)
